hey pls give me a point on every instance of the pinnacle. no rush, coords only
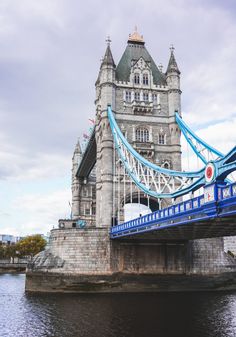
(172, 65)
(78, 148)
(108, 58)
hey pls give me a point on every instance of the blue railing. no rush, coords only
(226, 192)
(170, 211)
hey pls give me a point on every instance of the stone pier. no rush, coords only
(85, 260)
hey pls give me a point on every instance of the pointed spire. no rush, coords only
(78, 148)
(172, 65)
(108, 58)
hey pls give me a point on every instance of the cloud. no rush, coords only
(24, 166)
(38, 212)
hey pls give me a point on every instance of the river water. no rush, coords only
(200, 314)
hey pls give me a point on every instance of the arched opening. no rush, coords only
(138, 205)
(136, 78)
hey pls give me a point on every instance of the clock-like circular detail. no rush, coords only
(210, 172)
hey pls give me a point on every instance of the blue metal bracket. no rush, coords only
(187, 131)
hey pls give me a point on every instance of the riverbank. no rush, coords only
(12, 268)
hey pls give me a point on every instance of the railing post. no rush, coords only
(211, 199)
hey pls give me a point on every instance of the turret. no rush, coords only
(174, 93)
(75, 185)
(173, 82)
(106, 78)
(106, 91)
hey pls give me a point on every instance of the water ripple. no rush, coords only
(202, 314)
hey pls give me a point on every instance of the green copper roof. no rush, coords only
(134, 51)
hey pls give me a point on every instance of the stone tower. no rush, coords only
(83, 192)
(144, 101)
(105, 94)
(75, 183)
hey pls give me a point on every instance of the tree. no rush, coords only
(10, 251)
(2, 251)
(31, 245)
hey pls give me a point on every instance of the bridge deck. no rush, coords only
(210, 215)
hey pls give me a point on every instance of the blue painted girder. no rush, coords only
(223, 166)
(186, 130)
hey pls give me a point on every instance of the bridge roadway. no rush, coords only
(89, 158)
(210, 215)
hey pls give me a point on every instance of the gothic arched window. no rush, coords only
(137, 96)
(128, 96)
(136, 78)
(145, 96)
(166, 165)
(162, 139)
(145, 79)
(154, 98)
(142, 135)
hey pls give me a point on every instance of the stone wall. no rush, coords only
(207, 256)
(81, 251)
(230, 244)
(153, 257)
(90, 251)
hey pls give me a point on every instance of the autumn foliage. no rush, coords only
(31, 245)
(26, 247)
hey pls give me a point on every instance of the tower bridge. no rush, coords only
(133, 157)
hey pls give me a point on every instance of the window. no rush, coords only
(145, 97)
(87, 211)
(94, 192)
(166, 165)
(154, 98)
(161, 139)
(94, 210)
(85, 192)
(128, 96)
(136, 78)
(145, 79)
(137, 96)
(142, 135)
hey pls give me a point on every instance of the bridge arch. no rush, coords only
(143, 199)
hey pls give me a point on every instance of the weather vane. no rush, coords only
(108, 40)
(172, 48)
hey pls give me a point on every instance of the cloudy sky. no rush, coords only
(50, 52)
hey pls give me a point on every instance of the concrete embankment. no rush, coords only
(120, 282)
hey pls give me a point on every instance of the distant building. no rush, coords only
(8, 239)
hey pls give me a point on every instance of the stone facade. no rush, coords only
(83, 193)
(76, 250)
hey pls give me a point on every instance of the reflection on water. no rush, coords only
(211, 314)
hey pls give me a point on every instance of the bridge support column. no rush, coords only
(104, 177)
